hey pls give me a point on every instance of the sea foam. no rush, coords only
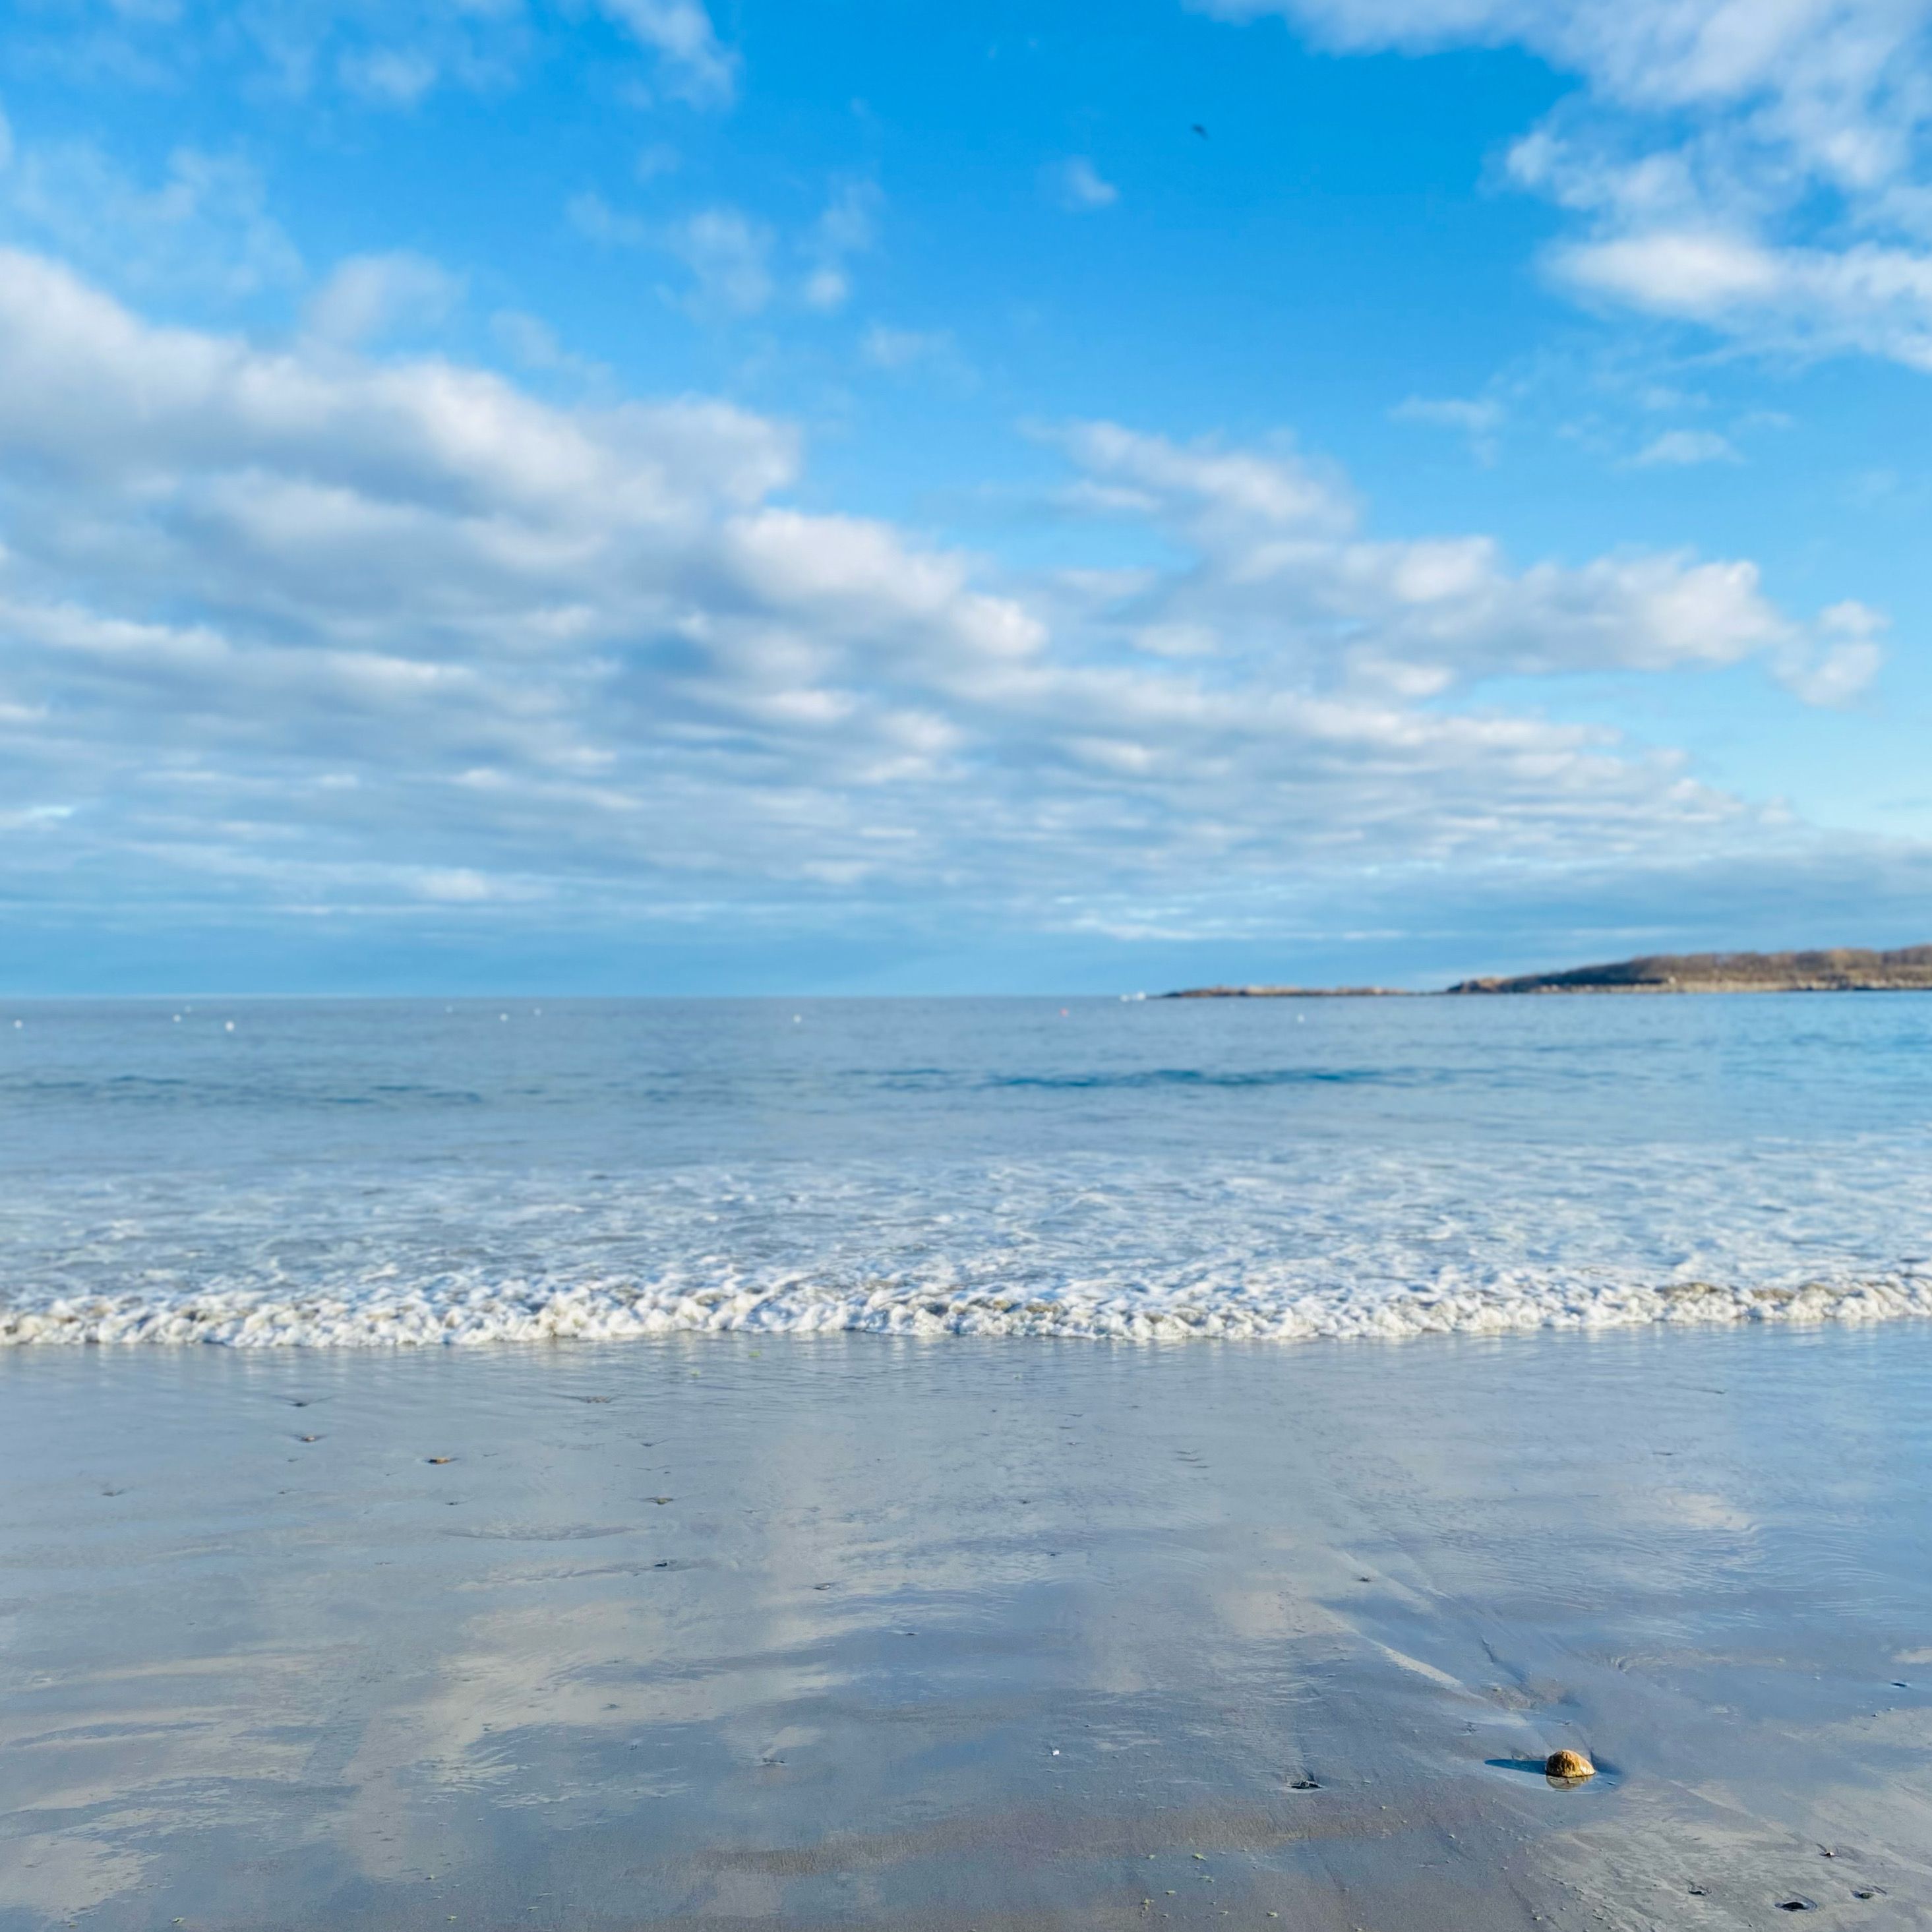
(1298, 1247)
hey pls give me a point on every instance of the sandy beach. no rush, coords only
(855, 1632)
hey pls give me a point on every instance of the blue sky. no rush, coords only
(841, 495)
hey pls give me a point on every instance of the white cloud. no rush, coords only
(897, 348)
(695, 67)
(1477, 418)
(292, 626)
(202, 227)
(1283, 571)
(1876, 300)
(1755, 167)
(385, 53)
(596, 220)
(1075, 183)
(660, 157)
(848, 227)
(530, 341)
(395, 77)
(729, 256)
(1684, 449)
(729, 252)
(368, 296)
(1848, 659)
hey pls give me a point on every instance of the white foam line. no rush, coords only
(611, 1311)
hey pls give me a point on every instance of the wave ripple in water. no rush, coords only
(370, 1177)
(1127, 1250)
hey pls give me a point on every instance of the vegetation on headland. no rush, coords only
(1838, 969)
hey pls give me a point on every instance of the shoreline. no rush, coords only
(630, 1316)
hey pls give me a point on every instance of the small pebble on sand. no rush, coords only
(1568, 1764)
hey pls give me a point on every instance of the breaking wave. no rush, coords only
(1286, 1249)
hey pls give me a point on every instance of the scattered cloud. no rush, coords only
(393, 77)
(370, 296)
(1283, 572)
(1753, 168)
(848, 227)
(896, 349)
(531, 342)
(596, 220)
(1684, 449)
(1479, 418)
(1874, 299)
(1076, 185)
(1849, 661)
(202, 227)
(728, 254)
(386, 54)
(290, 625)
(694, 66)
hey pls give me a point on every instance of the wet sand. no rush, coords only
(970, 1635)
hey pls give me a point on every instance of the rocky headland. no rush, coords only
(1838, 969)
(1287, 993)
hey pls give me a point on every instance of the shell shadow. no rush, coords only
(1607, 1775)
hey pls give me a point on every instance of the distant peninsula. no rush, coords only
(1838, 969)
(1289, 993)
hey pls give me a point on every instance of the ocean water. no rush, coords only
(388, 1173)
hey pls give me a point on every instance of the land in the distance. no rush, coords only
(1838, 969)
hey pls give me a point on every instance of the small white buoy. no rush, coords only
(228, 1025)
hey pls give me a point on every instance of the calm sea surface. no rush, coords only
(376, 1173)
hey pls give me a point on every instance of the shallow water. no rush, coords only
(711, 1632)
(384, 1172)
